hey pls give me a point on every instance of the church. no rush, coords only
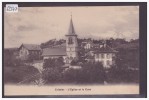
(69, 50)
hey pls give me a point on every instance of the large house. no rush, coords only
(100, 52)
(29, 51)
(105, 55)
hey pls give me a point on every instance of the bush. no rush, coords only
(119, 75)
(74, 62)
(94, 71)
(53, 62)
(71, 76)
(18, 74)
(90, 73)
(52, 75)
(53, 70)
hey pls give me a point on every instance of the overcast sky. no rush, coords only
(35, 25)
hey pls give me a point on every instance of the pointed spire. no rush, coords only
(71, 15)
(71, 30)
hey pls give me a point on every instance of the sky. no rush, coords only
(35, 25)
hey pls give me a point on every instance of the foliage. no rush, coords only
(118, 75)
(94, 71)
(74, 62)
(90, 73)
(18, 74)
(52, 42)
(52, 75)
(82, 55)
(10, 59)
(127, 58)
(33, 57)
(53, 62)
(14, 62)
(53, 70)
(127, 64)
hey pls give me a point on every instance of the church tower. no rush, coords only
(71, 43)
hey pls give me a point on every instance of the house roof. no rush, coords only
(55, 51)
(104, 49)
(31, 46)
(90, 57)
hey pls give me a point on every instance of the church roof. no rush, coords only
(71, 30)
(55, 51)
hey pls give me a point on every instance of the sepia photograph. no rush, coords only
(71, 50)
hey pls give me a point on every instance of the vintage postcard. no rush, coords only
(71, 50)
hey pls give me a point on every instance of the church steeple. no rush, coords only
(71, 43)
(71, 30)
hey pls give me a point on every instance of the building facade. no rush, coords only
(29, 52)
(105, 55)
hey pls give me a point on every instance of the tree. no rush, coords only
(52, 75)
(74, 62)
(94, 71)
(53, 62)
(90, 73)
(21, 74)
(119, 75)
(49, 63)
(59, 62)
(53, 70)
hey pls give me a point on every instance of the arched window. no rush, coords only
(70, 40)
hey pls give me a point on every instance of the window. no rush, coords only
(108, 56)
(102, 55)
(108, 62)
(70, 40)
